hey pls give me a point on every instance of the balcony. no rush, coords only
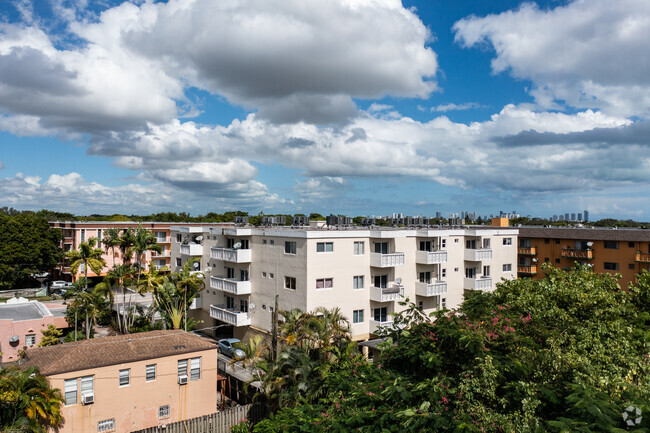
(163, 240)
(375, 325)
(430, 257)
(192, 250)
(164, 254)
(478, 255)
(643, 257)
(379, 260)
(527, 269)
(229, 315)
(230, 255)
(230, 285)
(478, 283)
(527, 251)
(573, 253)
(431, 289)
(386, 294)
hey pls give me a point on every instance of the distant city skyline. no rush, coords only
(363, 107)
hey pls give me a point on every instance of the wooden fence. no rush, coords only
(219, 422)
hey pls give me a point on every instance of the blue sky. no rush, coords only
(360, 107)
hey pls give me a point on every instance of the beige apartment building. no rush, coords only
(363, 271)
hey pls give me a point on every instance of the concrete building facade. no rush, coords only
(363, 271)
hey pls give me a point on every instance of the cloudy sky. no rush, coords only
(359, 107)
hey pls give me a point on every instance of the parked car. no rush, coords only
(226, 346)
(60, 284)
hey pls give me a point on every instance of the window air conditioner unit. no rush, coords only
(88, 398)
(182, 380)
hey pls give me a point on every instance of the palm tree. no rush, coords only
(27, 402)
(126, 243)
(111, 240)
(176, 292)
(82, 301)
(116, 278)
(86, 255)
(143, 241)
(149, 284)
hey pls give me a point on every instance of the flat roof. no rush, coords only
(586, 233)
(23, 311)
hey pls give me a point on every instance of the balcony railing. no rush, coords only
(230, 255)
(431, 289)
(192, 250)
(386, 294)
(163, 240)
(527, 251)
(478, 283)
(229, 315)
(430, 257)
(230, 285)
(573, 253)
(379, 260)
(527, 269)
(375, 325)
(643, 257)
(478, 255)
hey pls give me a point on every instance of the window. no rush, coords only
(425, 246)
(87, 385)
(470, 244)
(359, 248)
(263, 241)
(557, 241)
(263, 274)
(357, 282)
(630, 244)
(290, 248)
(99, 236)
(195, 368)
(381, 247)
(243, 306)
(30, 339)
(557, 261)
(507, 267)
(507, 241)
(290, 283)
(444, 272)
(425, 277)
(547, 241)
(125, 377)
(612, 245)
(106, 425)
(230, 272)
(151, 372)
(486, 243)
(486, 271)
(444, 302)
(182, 367)
(324, 283)
(179, 238)
(420, 305)
(178, 261)
(546, 260)
(271, 275)
(444, 243)
(631, 266)
(470, 272)
(324, 247)
(357, 316)
(230, 302)
(456, 240)
(82, 234)
(70, 391)
(272, 242)
(611, 266)
(163, 412)
(381, 281)
(381, 314)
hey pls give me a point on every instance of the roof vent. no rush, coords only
(179, 347)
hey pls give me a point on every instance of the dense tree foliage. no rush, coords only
(27, 246)
(566, 353)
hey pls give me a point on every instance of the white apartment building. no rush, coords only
(363, 271)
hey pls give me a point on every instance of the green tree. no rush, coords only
(143, 241)
(27, 246)
(111, 240)
(51, 336)
(87, 255)
(116, 278)
(27, 402)
(175, 293)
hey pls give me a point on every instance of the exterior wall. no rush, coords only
(136, 405)
(269, 264)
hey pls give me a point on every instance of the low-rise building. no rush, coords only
(131, 382)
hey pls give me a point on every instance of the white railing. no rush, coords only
(230, 285)
(386, 294)
(163, 240)
(478, 283)
(375, 325)
(379, 260)
(192, 250)
(478, 255)
(230, 255)
(430, 257)
(431, 289)
(229, 315)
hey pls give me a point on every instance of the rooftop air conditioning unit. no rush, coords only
(88, 398)
(182, 380)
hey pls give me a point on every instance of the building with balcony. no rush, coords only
(612, 250)
(363, 271)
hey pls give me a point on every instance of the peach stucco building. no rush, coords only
(131, 382)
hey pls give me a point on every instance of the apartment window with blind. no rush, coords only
(359, 248)
(125, 377)
(195, 368)
(611, 266)
(30, 339)
(290, 248)
(290, 283)
(507, 241)
(324, 247)
(106, 425)
(357, 316)
(151, 372)
(324, 283)
(182, 367)
(87, 385)
(357, 282)
(70, 391)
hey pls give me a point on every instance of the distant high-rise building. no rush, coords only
(438, 214)
(554, 217)
(573, 217)
(566, 217)
(579, 216)
(586, 214)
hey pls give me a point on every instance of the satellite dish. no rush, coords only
(198, 238)
(589, 244)
(196, 265)
(14, 340)
(237, 246)
(208, 269)
(251, 306)
(534, 260)
(398, 281)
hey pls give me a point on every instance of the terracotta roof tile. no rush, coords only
(104, 351)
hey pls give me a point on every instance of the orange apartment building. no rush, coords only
(75, 232)
(131, 382)
(623, 251)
